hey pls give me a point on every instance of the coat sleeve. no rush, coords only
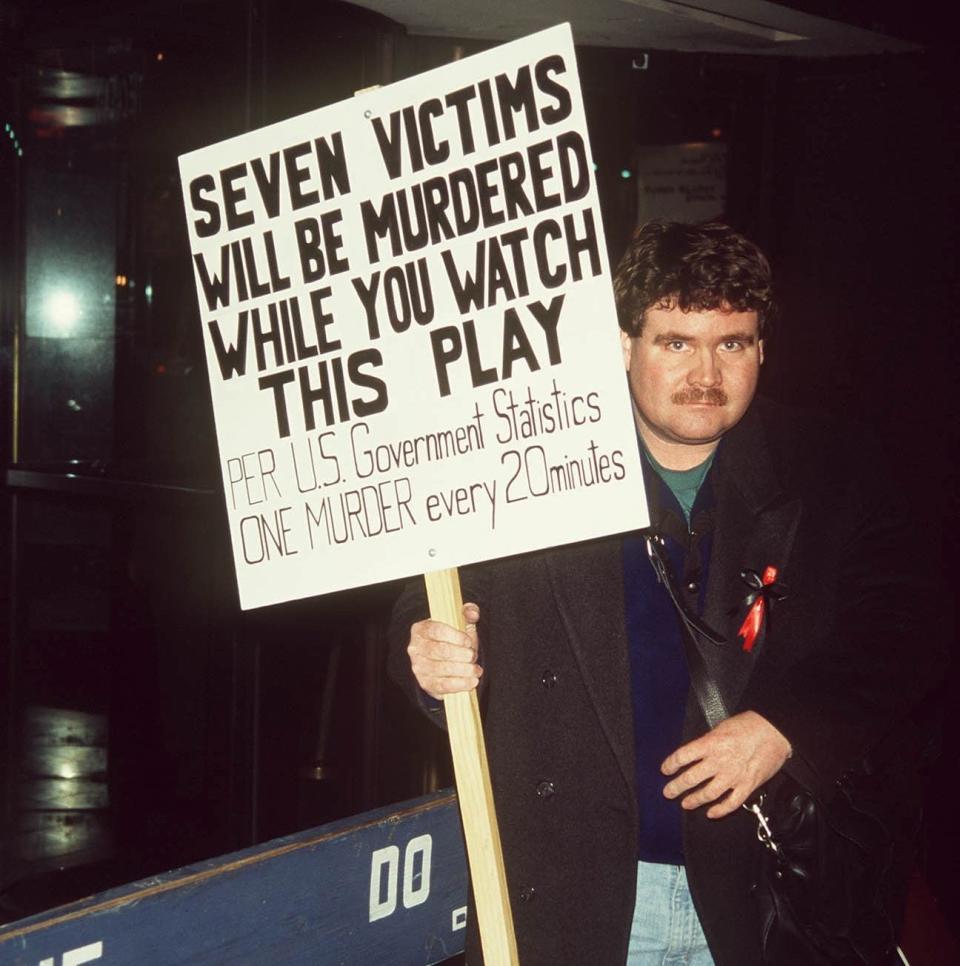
(868, 688)
(411, 606)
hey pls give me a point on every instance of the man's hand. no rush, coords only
(726, 765)
(444, 659)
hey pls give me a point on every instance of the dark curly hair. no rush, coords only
(697, 268)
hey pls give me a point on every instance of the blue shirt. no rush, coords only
(659, 678)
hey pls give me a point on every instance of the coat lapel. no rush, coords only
(587, 582)
(756, 527)
(757, 523)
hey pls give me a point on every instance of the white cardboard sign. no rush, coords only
(410, 330)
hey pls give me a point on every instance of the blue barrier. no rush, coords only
(386, 888)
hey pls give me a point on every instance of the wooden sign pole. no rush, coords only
(480, 829)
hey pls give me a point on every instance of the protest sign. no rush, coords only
(410, 330)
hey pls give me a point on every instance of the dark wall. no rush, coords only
(867, 246)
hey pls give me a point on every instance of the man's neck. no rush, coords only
(676, 456)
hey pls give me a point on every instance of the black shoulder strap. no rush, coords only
(704, 687)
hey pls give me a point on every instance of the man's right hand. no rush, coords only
(444, 659)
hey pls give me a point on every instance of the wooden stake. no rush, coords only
(480, 828)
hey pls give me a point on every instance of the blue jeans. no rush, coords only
(665, 930)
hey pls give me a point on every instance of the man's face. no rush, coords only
(692, 376)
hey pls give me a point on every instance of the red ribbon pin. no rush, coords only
(762, 589)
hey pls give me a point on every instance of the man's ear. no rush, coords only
(627, 343)
(760, 347)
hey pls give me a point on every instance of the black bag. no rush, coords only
(824, 874)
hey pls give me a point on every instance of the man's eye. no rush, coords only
(733, 345)
(675, 345)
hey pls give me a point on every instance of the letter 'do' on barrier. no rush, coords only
(385, 867)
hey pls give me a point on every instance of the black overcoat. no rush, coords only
(842, 666)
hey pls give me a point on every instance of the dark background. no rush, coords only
(196, 729)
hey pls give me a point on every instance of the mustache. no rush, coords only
(712, 396)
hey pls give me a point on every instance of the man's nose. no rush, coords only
(706, 370)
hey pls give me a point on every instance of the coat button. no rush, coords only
(527, 894)
(549, 679)
(546, 790)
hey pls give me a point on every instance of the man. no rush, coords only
(619, 808)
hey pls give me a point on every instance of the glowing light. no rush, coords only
(12, 134)
(148, 292)
(62, 311)
(159, 56)
(121, 281)
(625, 173)
(717, 132)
